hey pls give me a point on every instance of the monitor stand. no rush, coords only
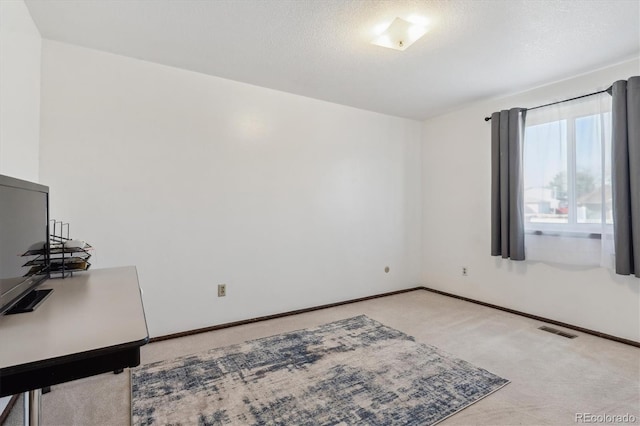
(29, 302)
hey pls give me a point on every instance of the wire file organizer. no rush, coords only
(64, 257)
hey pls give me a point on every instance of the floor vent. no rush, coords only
(558, 332)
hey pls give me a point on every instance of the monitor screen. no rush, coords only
(24, 238)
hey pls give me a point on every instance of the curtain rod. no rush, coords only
(607, 90)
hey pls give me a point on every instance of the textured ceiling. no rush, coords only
(321, 49)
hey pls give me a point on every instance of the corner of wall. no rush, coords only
(20, 80)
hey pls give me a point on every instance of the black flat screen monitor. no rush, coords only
(24, 239)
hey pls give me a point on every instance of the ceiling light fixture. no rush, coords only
(400, 34)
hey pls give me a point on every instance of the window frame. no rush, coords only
(572, 228)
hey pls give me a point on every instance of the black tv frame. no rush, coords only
(24, 288)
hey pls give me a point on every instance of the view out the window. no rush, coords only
(567, 172)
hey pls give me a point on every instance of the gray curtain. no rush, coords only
(507, 214)
(626, 174)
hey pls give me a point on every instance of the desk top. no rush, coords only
(90, 311)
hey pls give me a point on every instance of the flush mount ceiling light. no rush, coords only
(400, 34)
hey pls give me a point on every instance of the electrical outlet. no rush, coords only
(465, 271)
(222, 290)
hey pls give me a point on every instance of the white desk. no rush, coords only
(91, 323)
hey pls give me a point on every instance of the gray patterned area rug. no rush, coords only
(350, 372)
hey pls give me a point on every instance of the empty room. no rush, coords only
(319, 212)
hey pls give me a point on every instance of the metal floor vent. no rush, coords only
(558, 332)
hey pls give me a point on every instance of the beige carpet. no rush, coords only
(552, 378)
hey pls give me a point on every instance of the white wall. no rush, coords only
(20, 46)
(196, 180)
(456, 192)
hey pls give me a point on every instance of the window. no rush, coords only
(567, 183)
(567, 169)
